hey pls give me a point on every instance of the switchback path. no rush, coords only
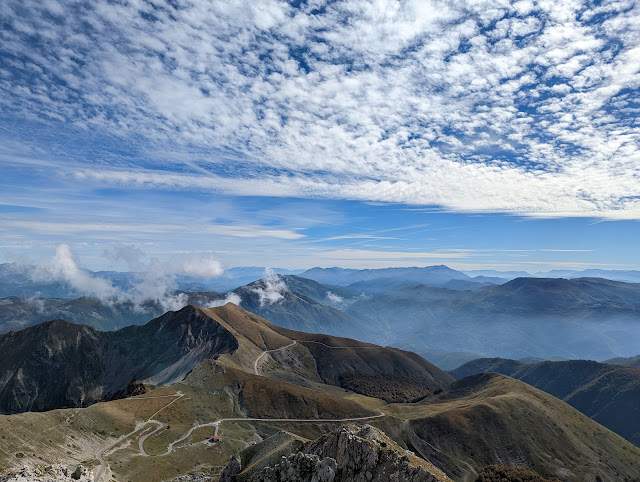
(144, 437)
(217, 423)
(100, 455)
(255, 364)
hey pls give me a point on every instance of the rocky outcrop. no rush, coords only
(344, 455)
(231, 470)
(47, 473)
(299, 467)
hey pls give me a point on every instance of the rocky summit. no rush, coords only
(343, 455)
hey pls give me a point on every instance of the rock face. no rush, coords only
(60, 364)
(344, 455)
(231, 470)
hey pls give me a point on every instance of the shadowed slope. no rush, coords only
(58, 363)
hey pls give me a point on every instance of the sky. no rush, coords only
(477, 134)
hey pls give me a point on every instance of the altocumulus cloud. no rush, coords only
(524, 107)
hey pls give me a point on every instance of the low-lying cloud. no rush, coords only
(231, 297)
(63, 267)
(274, 288)
(334, 298)
(153, 281)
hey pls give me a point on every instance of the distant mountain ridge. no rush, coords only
(633, 361)
(535, 317)
(588, 317)
(432, 275)
(23, 280)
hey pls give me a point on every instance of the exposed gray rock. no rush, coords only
(344, 456)
(231, 470)
(60, 364)
(47, 473)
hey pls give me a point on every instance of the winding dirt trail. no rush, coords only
(337, 347)
(139, 426)
(144, 437)
(255, 363)
(178, 395)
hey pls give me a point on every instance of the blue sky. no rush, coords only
(295, 134)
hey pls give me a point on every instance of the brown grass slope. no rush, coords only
(388, 373)
(492, 419)
(391, 374)
(499, 473)
(610, 394)
(263, 397)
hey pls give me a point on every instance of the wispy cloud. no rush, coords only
(363, 254)
(273, 288)
(237, 231)
(357, 236)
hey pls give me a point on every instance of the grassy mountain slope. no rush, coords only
(607, 393)
(270, 372)
(388, 373)
(489, 418)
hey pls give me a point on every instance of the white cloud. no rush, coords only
(195, 265)
(235, 231)
(63, 267)
(472, 106)
(155, 281)
(334, 298)
(273, 290)
(231, 297)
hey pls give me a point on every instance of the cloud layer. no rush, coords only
(518, 107)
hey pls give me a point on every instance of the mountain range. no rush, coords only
(538, 317)
(226, 371)
(546, 318)
(58, 363)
